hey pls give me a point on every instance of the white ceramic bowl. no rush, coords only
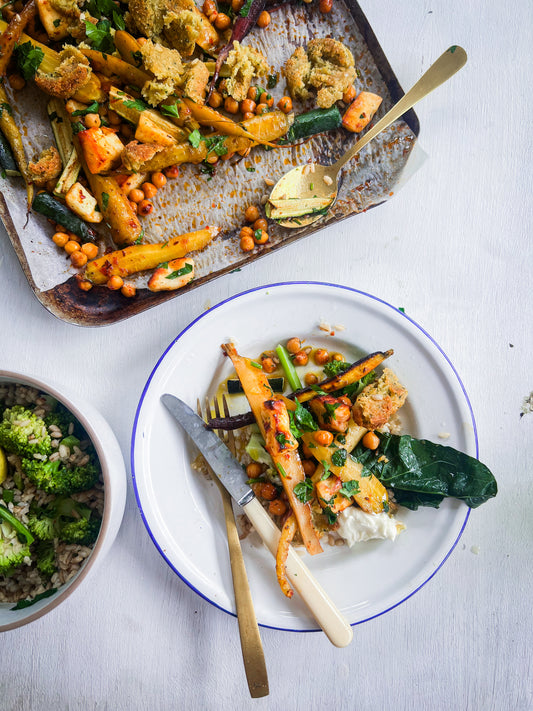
(114, 477)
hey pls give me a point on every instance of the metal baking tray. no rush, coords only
(192, 201)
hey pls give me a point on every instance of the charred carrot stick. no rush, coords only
(287, 534)
(12, 34)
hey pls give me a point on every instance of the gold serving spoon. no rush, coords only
(306, 193)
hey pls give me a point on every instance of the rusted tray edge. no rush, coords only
(106, 308)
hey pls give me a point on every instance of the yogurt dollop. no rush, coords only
(356, 526)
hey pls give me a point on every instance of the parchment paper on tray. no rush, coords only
(195, 199)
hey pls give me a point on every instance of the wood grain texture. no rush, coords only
(454, 249)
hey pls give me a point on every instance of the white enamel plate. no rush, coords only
(182, 509)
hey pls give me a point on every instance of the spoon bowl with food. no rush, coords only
(307, 193)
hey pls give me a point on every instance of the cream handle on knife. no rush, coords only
(336, 628)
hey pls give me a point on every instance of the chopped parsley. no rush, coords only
(91, 109)
(194, 138)
(170, 110)
(338, 458)
(250, 169)
(272, 81)
(54, 117)
(341, 439)
(281, 438)
(29, 59)
(327, 472)
(332, 517)
(78, 127)
(57, 22)
(257, 234)
(349, 488)
(187, 269)
(304, 491)
(100, 35)
(119, 21)
(216, 145)
(281, 470)
(137, 104)
(4, 106)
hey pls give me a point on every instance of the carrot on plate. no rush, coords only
(361, 111)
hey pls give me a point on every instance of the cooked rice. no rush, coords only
(26, 581)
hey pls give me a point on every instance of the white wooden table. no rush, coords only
(454, 249)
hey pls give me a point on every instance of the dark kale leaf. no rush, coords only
(429, 470)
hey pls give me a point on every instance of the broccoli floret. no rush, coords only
(15, 541)
(61, 418)
(83, 532)
(45, 556)
(57, 478)
(66, 520)
(23, 433)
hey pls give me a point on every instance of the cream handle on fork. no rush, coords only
(336, 628)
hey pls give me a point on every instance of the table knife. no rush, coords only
(230, 472)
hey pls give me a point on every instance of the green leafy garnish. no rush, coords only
(272, 81)
(194, 138)
(57, 22)
(349, 488)
(216, 145)
(4, 106)
(245, 9)
(332, 517)
(187, 269)
(338, 458)
(137, 104)
(29, 59)
(78, 127)
(327, 471)
(100, 35)
(105, 200)
(304, 491)
(250, 169)
(91, 109)
(281, 438)
(170, 110)
(119, 21)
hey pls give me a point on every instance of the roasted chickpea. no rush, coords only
(337, 356)
(247, 106)
(71, 247)
(213, 17)
(172, 171)
(260, 224)
(263, 20)
(231, 106)
(325, 6)
(267, 99)
(149, 190)
(323, 437)
(115, 282)
(134, 207)
(222, 22)
(247, 243)
(60, 238)
(209, 7)
(254, 470)
(159, 180)
(248, 115)
(136, 195)
(246, 232)
(310, 379)
(277, 507)
(349, 95)
(128, 289)
(252, 93)
(93, 121)
(16, 82)
(268, 365)
(301, 358)
(78, 259)
(85, 285)
(261, 109)
(294, 345)
(145, 207)
(237, 5)
(251, 213)
(89, 249)
(285, 104)
(370, 440)
(321, 356)
(269, 492)
(260, 236)
(216, 99)
(113, 118)
(212, 158)
(309, 467)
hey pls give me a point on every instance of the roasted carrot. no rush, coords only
(12, 34)
(272, 417)
(361, 111)
(287, 534)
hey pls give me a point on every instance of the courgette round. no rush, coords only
(48, 206)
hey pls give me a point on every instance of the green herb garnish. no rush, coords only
(187, 269)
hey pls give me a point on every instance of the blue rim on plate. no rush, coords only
(214, 308)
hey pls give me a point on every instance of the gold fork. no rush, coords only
(251, 645)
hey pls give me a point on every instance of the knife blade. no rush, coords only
(230, 472)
